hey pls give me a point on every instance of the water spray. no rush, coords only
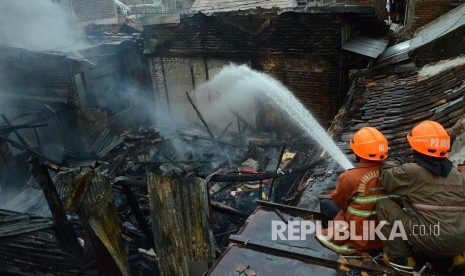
(234, 79)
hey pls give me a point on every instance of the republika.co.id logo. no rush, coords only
(342, 230)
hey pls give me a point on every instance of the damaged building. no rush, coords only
(168, 147)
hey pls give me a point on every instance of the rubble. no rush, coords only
(126, 170)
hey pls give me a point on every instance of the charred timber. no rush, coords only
(20, 138)
(201, 118)
(65, 229)
(281, 154)
(206, 126)
(224, 209)
(28, 149)
(262, 176)
(139, 215)
(11, 128)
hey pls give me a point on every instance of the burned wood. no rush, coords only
(175, 221)
(261, 176)
(205, 137)
(31, 151)
(242, 120)
(139, 216)
(20, 138)
(281, 216)
(7, 129)
(174, 163)
(97, 214)
(21, 223)
(221, 208)
(277, 167)
(61, 132)
(87, 267)
(225, 130)
(239, 118)
(126, 181)
(65, 229)
(224, 188)
(120, 161)
(201, 118)
(206, 126)
(36, 134)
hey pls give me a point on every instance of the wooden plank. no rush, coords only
(181, 224)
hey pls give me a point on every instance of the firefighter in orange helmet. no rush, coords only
(433, 197)
(356, 194)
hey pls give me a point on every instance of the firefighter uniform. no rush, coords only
(356, 194)
(433, 195)
(434, 210)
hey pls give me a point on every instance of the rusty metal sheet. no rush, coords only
(181, 219)
(92, 199)
(29, 244)
(22, 223)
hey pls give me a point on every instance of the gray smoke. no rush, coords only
(37, 25)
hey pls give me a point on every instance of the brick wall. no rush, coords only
(300, 50)
(428, 10)
(93, 10)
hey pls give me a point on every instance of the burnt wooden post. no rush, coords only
(270, 193)
(29, 150)
(206, 126)
(181, 214)
(139, 215)
(20, 138)
(65, 230)
(201, 118)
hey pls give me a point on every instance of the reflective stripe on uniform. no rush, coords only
(439, 208)
(360, 213)
(338, 248)
(372, 199)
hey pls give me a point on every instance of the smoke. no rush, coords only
(37, 25)
(240, 84)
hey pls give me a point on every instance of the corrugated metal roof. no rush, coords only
(439, 27)
(443, 25)
(235, 5)
(366, 46)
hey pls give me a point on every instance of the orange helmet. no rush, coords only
(369, 143)
(430, 138)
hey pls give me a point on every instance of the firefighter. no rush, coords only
(356, 194)
(433, 195)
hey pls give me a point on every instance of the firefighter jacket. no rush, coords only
(356, 194)
(436, 204)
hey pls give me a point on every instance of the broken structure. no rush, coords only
(141, 193)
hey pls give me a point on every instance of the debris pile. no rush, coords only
(122, 206)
